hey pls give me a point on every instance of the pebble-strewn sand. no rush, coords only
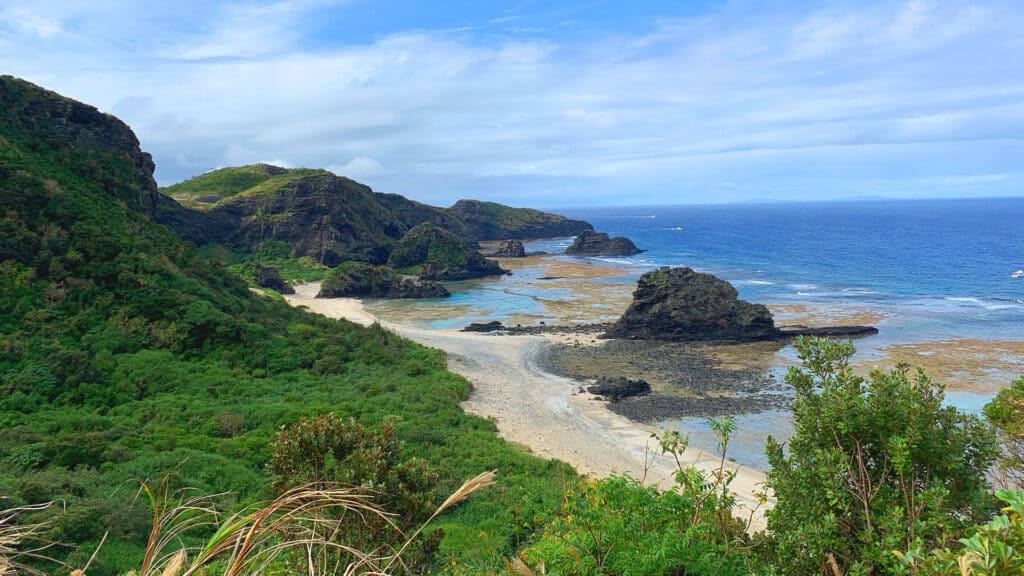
(540, 411)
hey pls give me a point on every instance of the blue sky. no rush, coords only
(555, 104)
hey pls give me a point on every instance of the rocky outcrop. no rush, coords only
(361, 280)
(681, 304)
(491, 326)
(592, 243)
(493, 221)
(437, 254)
(270, 277)
(510, 249)
(618, 388)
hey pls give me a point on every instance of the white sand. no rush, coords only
(543, 412)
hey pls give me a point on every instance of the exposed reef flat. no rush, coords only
(686, 379)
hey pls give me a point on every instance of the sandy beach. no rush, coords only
(547, 414)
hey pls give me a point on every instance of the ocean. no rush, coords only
(935, 270)
(944, 265)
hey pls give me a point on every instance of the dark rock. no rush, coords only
(437, 254)
(831, 332)
(270, 277)
(493, 221)
(551, 278)
(361, 280)
(491, 326)
(680, 304)
(592, 243)
(618, 388)
(510, 249)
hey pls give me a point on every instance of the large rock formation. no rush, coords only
(361, 280)
(493, 221)
(270, 277)
(680, 304)
(437, 254)
(590, 243)
(510, 249)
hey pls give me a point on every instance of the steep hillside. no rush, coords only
(412, 213)
(493, 221)
(125, 355)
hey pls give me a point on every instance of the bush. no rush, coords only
(874, 466)
(1006, 413)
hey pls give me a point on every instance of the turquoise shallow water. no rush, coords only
(938, 269)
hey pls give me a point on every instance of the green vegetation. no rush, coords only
(125, 355)
(616, 525)
(493, 221)
(874, 466)
(211, 187)
(270, 253)
(1006, 413)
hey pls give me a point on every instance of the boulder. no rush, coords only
(592, 243)
(510, 249)
(619, 387)
(681, 304)
(270, 277)
(361, 280)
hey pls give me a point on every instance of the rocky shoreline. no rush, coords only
(685, 382)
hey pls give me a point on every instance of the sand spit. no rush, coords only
(545, 413)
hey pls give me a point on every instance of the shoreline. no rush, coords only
(546, 413)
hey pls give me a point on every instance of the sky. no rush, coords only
(555, 103)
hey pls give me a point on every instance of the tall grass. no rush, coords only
(295, 533)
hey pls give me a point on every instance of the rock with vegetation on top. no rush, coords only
(681, 304)
(510, 249)
(437, 254)
(619, 387)
(270, 277)
(592, 243)
(361, 280)
(493, 221)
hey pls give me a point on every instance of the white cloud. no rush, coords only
(863, 93)
(356, 168)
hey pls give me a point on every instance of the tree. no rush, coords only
(875, 465)
(330, 451)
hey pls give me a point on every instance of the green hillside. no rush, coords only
(211, 187)
(126, 356)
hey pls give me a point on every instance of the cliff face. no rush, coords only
(88, 141)
(326, 217)
(492, 221)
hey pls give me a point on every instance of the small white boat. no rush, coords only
(1017, 275)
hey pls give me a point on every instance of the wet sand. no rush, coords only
(545, 413)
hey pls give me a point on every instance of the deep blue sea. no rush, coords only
(941, 266)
